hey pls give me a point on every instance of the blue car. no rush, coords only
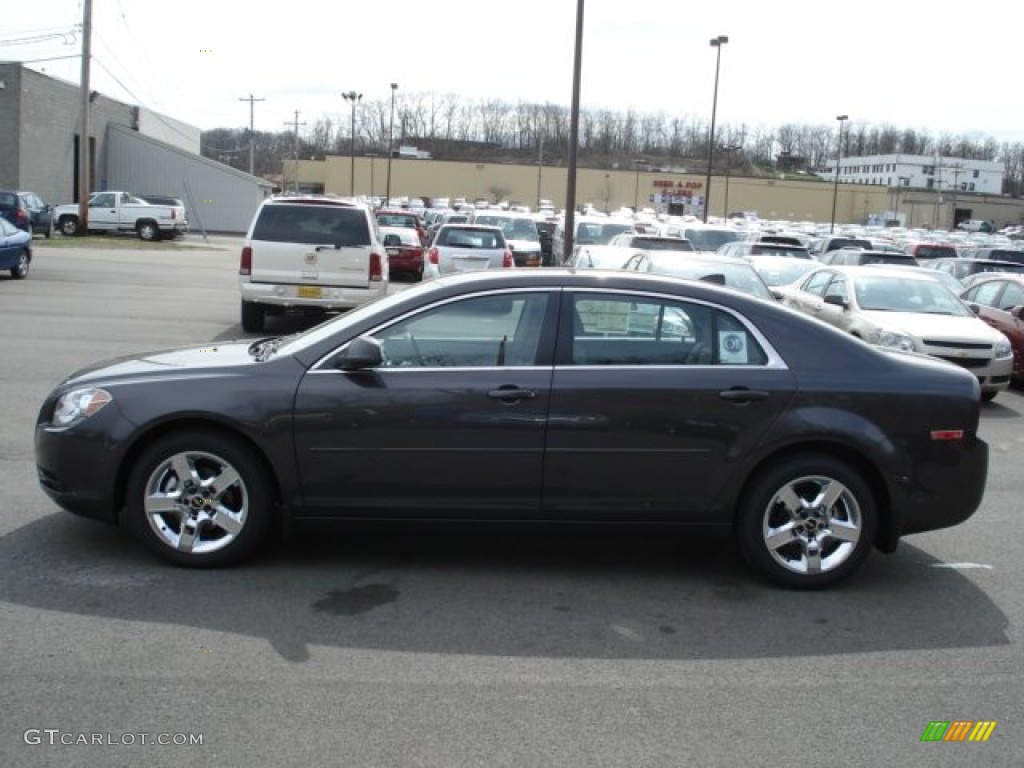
(15, 249)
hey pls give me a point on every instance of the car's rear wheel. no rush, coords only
(253, 317)
(199, 499)
(148, 231)
(988, 397)
(20, 269)
(807, 522)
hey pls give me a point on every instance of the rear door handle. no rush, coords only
(743, 395)
(512, 393)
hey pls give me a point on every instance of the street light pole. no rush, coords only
(352, 97)
(716, 43)
(839, 156)
(728, 149)
(391, 132)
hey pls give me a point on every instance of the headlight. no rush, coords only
(1003, 348)
(895, 340)
(79, 404)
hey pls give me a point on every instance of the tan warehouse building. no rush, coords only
(796, 198)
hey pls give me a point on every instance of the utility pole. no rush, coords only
(957, 169)
(295, 126)
(252, 139)
(84, 182)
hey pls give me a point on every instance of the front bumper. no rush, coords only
(76, 469)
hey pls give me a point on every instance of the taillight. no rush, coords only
(433, 256)
(376, 270)
(245, 266)
(507, 260)
(21, 215)
(947, 435)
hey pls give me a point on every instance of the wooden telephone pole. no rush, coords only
(84, 182)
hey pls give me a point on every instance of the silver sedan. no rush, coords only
(466, 248)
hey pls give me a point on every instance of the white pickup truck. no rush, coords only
(122, 212)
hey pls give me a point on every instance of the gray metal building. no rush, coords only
(129, 147)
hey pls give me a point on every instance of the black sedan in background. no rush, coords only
(529, 396)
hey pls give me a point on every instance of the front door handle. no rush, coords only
(742, 395)
(511, 393)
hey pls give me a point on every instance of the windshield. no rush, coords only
(662, 244)
(895, 294)
(780, 270)
(741, 277)
(710, 239)
(513, 228)
(296, 342)
(598, 233)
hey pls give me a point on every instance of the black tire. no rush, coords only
(988, 397)
(780, 542)
(69, 226)
(148, 231)
(193, 522)
(254, 317)
(20, 269)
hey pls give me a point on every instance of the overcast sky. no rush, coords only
(906, 63)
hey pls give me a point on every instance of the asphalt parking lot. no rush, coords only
(456, 649)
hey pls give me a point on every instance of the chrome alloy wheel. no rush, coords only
(196, 502)
(812, 525)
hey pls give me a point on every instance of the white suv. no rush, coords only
(316, 252)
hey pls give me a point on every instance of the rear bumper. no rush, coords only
(330, 297)
(944, 493)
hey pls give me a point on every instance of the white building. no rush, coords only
(920, 172)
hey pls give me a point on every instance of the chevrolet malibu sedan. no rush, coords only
(529, 396)
(905, 310)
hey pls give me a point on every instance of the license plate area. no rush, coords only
(308, 292)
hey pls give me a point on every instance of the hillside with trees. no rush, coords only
(494, 131)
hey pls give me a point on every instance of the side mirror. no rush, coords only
(974, 308)
(837, 301)
(1018, 312)
(361, 354)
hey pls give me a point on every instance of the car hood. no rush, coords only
(232, 354)
(947, 327)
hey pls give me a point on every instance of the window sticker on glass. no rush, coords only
(604, 316)
(732, 348)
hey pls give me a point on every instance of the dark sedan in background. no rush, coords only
(529, 396)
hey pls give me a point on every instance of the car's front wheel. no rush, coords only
(199, 499)
(807, 522)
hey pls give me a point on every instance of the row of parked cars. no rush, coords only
(517, 395)
(868, 288)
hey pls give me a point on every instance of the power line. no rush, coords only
(155, 114)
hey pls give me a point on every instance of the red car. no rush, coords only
(1000, 302)
(387, 217)
(405, 251)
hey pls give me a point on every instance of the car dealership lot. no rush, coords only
(482, 648)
